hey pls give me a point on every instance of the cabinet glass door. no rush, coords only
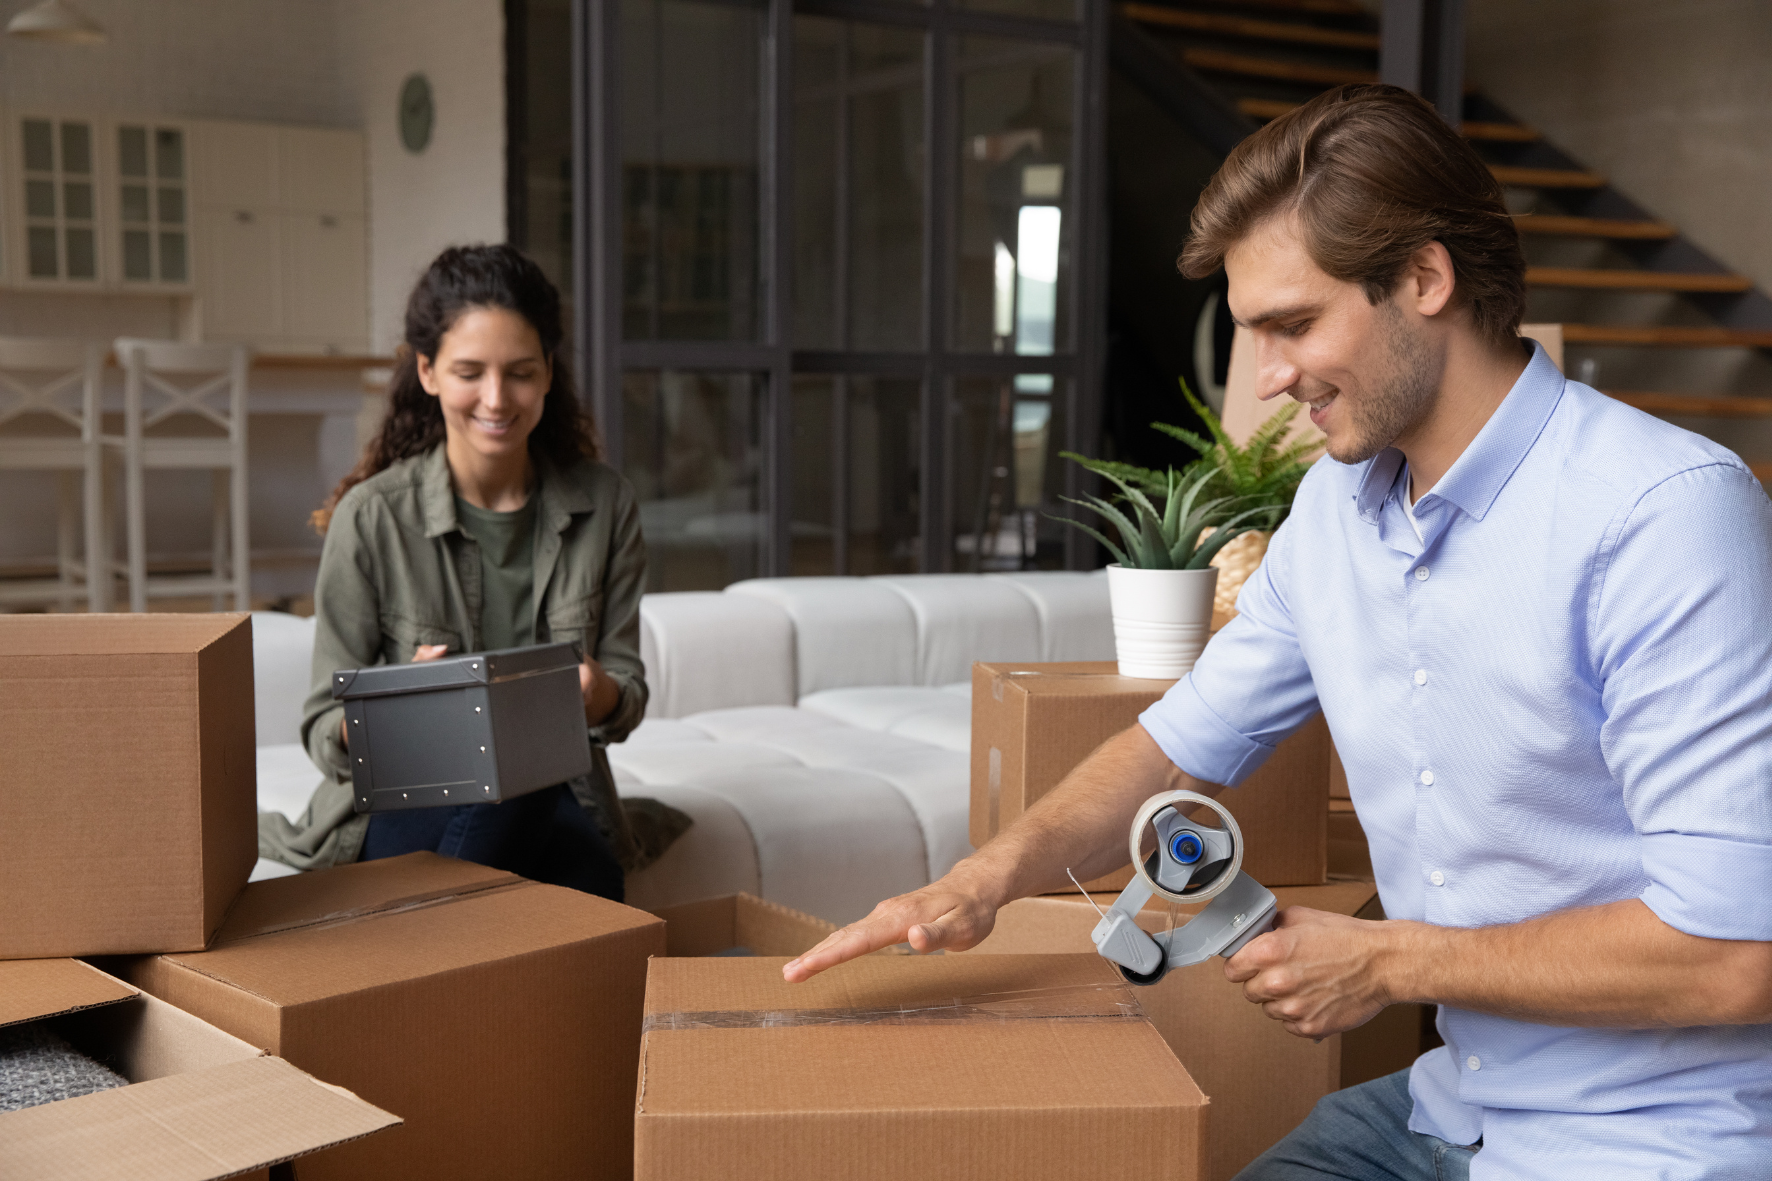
(61, 241)
(152, 205)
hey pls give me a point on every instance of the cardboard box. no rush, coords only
(1031, 1067)
(1033, 723)
(499, 1017)
(1261, 1080)
(200, 1104)
(127, 812)
(740, 924)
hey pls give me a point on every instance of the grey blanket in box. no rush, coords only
(37, 1066)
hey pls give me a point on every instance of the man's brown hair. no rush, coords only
(1373, 174)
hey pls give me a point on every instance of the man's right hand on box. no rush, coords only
(948, 915)
(1081, 824)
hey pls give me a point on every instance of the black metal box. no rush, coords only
(465, 729)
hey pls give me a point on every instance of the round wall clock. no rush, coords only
(416, 113)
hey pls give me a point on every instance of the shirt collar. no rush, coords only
(560, 499)
(1477, 476)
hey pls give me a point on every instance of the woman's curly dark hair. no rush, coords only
(461, 278)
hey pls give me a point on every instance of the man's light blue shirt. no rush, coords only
(1560, 696)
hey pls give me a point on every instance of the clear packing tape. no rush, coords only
(1068, 1002)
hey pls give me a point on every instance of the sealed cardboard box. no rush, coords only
(498, 1017)
(1039, 1068)
(1033, 723)
(1260, 1079)
(199, 1103)
(127, 815)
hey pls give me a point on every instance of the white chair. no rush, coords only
(58, 381)
(186, 382)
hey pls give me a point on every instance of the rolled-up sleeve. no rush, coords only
(1250, 689)
(1682, 627)
(617, 644)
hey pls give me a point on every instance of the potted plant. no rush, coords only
(1165, 583)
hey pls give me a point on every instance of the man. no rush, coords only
(1538, 623)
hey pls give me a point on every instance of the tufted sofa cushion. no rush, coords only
(816, 729)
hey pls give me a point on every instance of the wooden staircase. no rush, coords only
(1646, 314)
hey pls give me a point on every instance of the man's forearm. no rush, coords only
(1613, 965)
(1081, 825)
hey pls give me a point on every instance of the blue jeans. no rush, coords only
(1362, 1134)
(545, 836)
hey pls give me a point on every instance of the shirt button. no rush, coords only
(1427, 780)
(1421, 676)
(1474, 1062)
(1439, 879)
(1421, 574)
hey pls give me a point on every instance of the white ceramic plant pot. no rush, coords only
(1162, 619)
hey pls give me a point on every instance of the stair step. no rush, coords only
(1591, 227)
(1513, 133)
(1239, 26)
(1696, 405)
(1667, 336)
(1628, 280)
(1547, 178)
(1220, 62)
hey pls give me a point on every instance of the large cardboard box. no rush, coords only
(743, 924)
(499, 1017)
(740, 924)
(127, 817)
(1033, 723)
(200, 1104)
(1261, 1080)
(1033, 1067)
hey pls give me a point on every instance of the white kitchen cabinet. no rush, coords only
(240, 268)
(284, 239)
(321, 171)
(324, 280)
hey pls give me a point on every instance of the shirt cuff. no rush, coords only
(1709, 887)
(1200, 742)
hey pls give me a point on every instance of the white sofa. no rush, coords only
(816, 729)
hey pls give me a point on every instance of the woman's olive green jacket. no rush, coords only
(396, 571)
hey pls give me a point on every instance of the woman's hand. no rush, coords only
(600, 691)
(420, 654)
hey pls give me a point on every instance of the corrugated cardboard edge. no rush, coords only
(31, 990)
(202, 1126)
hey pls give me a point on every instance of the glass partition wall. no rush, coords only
(838, 277)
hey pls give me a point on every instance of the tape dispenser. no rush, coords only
(1192, 863)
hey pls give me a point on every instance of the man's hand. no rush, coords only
(1317, 972)
(946, 915)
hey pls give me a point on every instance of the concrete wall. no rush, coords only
(1671, 100)
(454, 191)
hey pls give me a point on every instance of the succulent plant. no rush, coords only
(1227, 492)
(1170, 539)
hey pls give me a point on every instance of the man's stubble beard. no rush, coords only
(1398, 400)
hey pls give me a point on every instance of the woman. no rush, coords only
(479, 518)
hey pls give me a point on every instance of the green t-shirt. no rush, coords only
(507, 572)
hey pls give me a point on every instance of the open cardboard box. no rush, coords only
(201, 1104)
(743, 924)
(1033, 723)
(127, 817)
(1037, 1067)
(500, 1017)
